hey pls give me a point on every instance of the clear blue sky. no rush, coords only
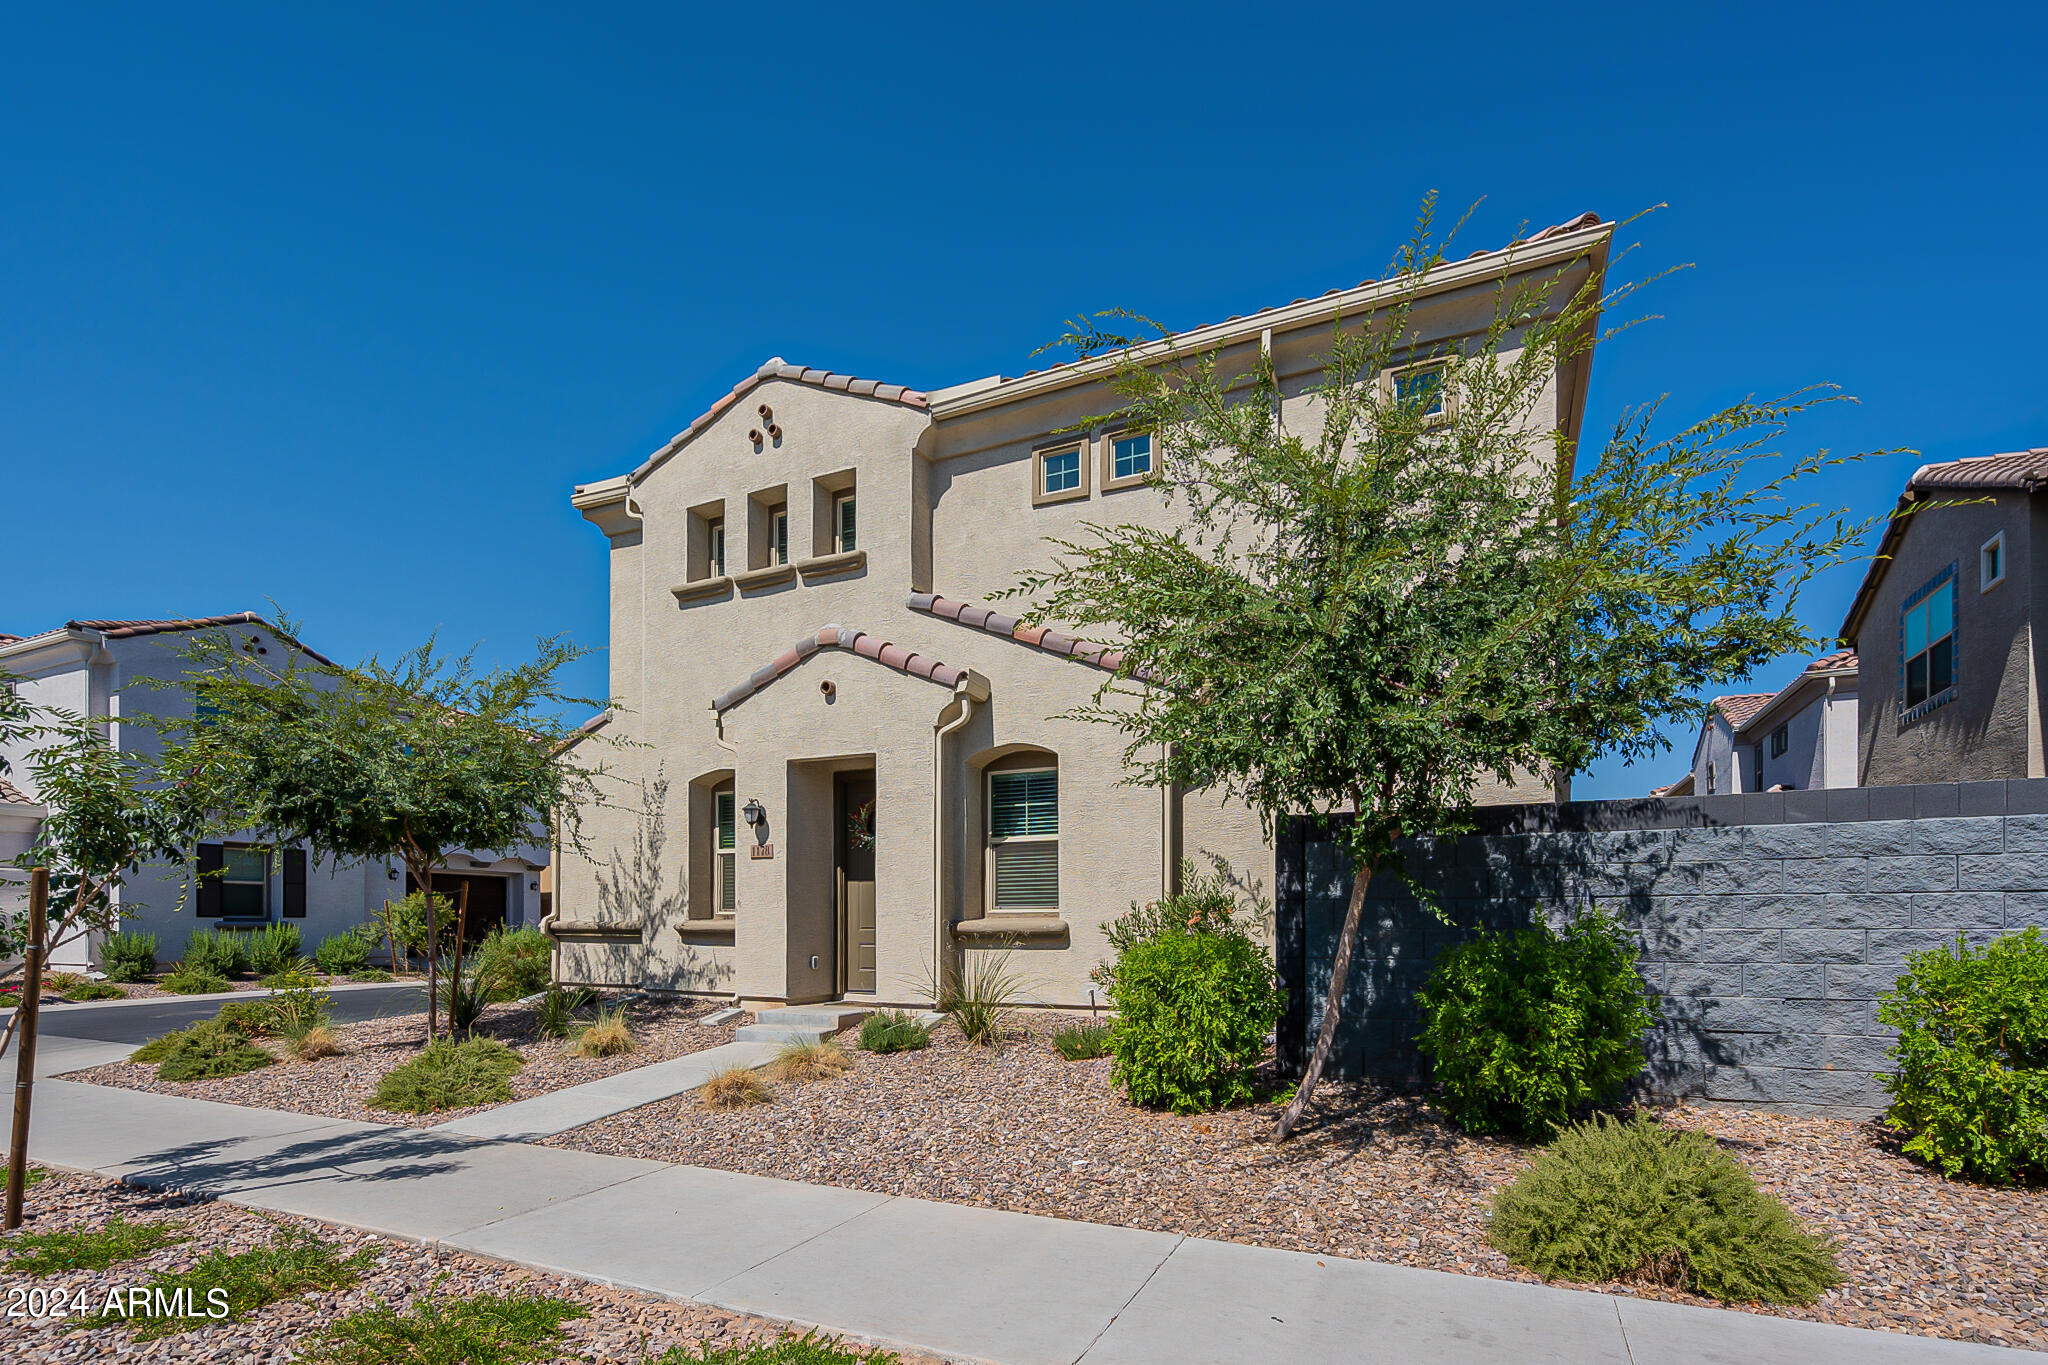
(333, 305)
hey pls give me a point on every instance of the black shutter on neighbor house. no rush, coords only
(212, 858)
(295, 883)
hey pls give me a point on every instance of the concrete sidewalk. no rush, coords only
(558, 1112)
(941, 1278)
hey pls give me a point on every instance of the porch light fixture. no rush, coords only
(753, 812)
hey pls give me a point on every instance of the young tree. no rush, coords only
(1429, 586)
(408, 761)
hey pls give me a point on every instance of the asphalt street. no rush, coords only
(113, 1022)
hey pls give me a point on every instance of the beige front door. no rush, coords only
(855, 847)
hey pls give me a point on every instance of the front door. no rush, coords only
(854, 860)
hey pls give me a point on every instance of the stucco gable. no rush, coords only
(975, 616)
(859, 643)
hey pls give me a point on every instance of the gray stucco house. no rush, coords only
(1800, 738)
(1944, 625)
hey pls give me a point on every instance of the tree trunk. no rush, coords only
(461, 935)
(33, 955)
(424, 875)
(1333, 1004)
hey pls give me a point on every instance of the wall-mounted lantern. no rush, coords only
(753, 812)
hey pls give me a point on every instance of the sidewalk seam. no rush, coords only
(887, 1200)
(1178, 1243)
(1626, 1349)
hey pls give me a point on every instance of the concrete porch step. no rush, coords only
(800, 1024)
(772, 1033)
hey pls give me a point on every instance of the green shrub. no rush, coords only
(1193, 1014)
(217, 952)
(296, 1008)
(128, 956)
(809, 1349)
(1525, 1028)
(1636, 1201)
(450, 1075)
(273, 948)
(206, 1050)
(52, 1253)
(404, 922)
(295, 1263)
(555, 1011)
(373, 974)
(93, 990)
(464, 994)
(1203, 905)
(1971, 1085)
(193, 981)
(516, 962)
(893, 1031)
(343, 953)
(485, 1329)
(250, 1018)
(1079, 1042)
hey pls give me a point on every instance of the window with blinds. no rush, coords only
(726, 845)
(845, 531)
(1023, 839)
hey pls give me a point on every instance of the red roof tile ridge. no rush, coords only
(976, 616)
(832, 635)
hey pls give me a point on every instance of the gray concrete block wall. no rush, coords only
(1766, 944)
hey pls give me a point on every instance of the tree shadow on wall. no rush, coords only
(635, 886)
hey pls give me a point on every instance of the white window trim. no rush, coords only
(714, 546)
(1110, 482)
(1449, 391)
(1996, 543)
(1083, 467)
(840, 502)
(991, 841)
(720, 852)
(778, 535)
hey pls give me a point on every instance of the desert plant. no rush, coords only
(481, 1329)
(1525, 1028)
(373, 974)
(343, 953)
(982, 997)
(608, 1037)
(450, 1075)
(314, 1043)
(1202, 905)
(250, 1018)
(516, 962)
(800, 1063)
(273, 948)
(893, 1031)
(205, 1051)
(74, 987)
(194, 981)
(555, 1011)
(1079, 1042)
(296, 1008)
(1612, 1200)
(217, 952)
(1193, 1014)
(1970, 1084)
(736, 1087)
(809, 1349)
(302, 969)
(296, 1262)
(465, 993)
(128, 956)
(52, 1253)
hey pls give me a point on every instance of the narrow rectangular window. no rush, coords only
(726, 844)
(1023, 836)
(844, 539)
(1991, 563)
(1062, 470)
(717, 541)
(1781, 740)
(778, 536)
(1928, 642)
(1131, 456)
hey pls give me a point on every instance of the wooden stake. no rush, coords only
(25, 1062)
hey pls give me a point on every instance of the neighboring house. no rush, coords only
(1944, 622)
(98, 668)
(870, 776)
(1797, 739)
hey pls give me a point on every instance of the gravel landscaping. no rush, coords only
(1376, 1175)
(622, 1326)
(340, 1087)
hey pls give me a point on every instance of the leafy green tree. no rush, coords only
(408, 760)
(1420, 589)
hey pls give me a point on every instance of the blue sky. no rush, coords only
(334, 306)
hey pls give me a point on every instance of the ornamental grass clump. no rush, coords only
(1082, 1042)
(1526, 1029)
(450, 1075)
(802, 1063)
(893, 1031)
(1635, 1201)
(736, 1087)
(555, 1011)
(610, 1036)
(1971, 1084)
(1194, 1011)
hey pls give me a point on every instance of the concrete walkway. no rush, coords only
(558, 1112)
(953, 1281)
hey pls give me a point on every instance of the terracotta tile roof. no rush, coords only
(2025, 469)
(11, 795)
(833, 636)
(1840, 660)
(123, 630)
(977, 617)
(777, 368)
(1741, 708)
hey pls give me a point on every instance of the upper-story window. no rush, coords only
(1423, 388)
(1063, 470)
(1126, 459)
(1781, 740)
(778, 535)
(1927, 642)
(1059, 473)
(715, 536)
(845, 537)
(1991, 563)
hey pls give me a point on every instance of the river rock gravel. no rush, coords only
(1375, 1174)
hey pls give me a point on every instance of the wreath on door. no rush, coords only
(860, 826)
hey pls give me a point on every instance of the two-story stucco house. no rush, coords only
(1801, 738)
(1944, 624)
(110, 670)
(869, 776)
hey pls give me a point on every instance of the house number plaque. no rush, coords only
(761, 851)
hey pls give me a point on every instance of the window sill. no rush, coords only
(702, 588)
(994, 928)
(1118, 485)
(593, 931)
(719, 929)
(765, 578)
(1914, 714)
(1064, 495)
(826, 566)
